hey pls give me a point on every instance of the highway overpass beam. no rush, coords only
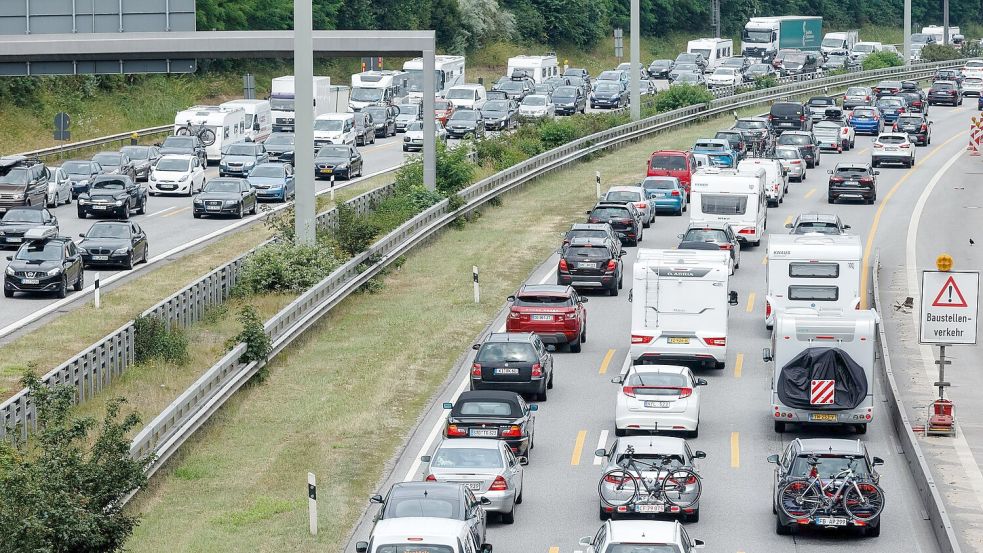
(636, 69)
(304, 205)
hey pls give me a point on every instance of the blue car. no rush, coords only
(891, 107)
(667, 193)
(865, 119)
(719, 151)
(273, 181)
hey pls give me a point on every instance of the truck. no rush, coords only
(383, 88)
(327, 99)
(841, 41)
(448, 72)
(823, 370)
(763, 37)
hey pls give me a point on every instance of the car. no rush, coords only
(943, 74)
(609, 95)
(239, 159)
(623, 218)
(584, 86)
(466, 123)
(407, 113)
(273, 181)
(886, 88)
(789, 116)
(831, 456)
(725, 76)
(666, 193)
(59, 188)
(839, 61)
(760, 70)
(792, 161)
(817, 106)
(658, 398)
(719, 151)
(615, 76)
(554, 313)
(800, 63)
(719, 234)
(660, 69)
(740, 63)
(18, 220)
(592, 230)
(568, 100)
(543, 89)
(640, 535)
(114, 195)
(593, 263)
(441, 500)
(442, 110)
(945, 92)
(917, 126)
(757, 132)
(188, 145)
(672, 451)
(893, 148)
(338, 160)
(425, 535)
(691, 79)
(557, 82)
(867, 120)
(891, 107)
(143, 158)
(576, 72)
(684, 68)
(80, 172)
(225, 196)
(915, 102)
(853, 180)
(120, 243)
(493, 414)
(673, 163)
(635, 195)
(45, 262)
(115, 163)
(500, 115)
(737, 141)
(280, 145)
(805, 142)
(817, 223)
(487, 468)
(857, 96)
(696, 59)
(973, 86)
(384, 119)
(778, 60)
(413, 139)
(832, 135)
(364, 128)
(973, 68)
(176, 174)
(979, 103)
(536, 106)
(515, 89)
(513, 361)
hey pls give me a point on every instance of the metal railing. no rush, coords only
(122, 138)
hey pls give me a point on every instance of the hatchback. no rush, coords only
(658, 398)
(513, 361)
(640, 535)
(623, 218)
(918, 129)
(555, 313)
(634, 195)
(866, 120)
(717, 233)
(891, 107)
(666, 193)
(805, 142)
(792, 161)
(857, 96)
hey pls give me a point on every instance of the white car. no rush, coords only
(893, 147)
(724, 76)
(413, 139)
(658, 398)
(973, 68)
(635, 535)
(536, 106)
(775, 176)
(792, 161)
(59, 188)
(176, 174)
(636, 196)
(973, 86)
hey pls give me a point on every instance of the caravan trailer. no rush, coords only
(537, 68)
(448, 72)
(229, 126)
(732, 196)
(259, 117)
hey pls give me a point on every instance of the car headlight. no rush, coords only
(18, 196)
(231, 202)
(342, 166)
(197, 201)
(54, 272)
(82, 183)
(119, 203)
(82, 250)
(121, 251)
(10, 271)
(249, 164)
(276, 186)
(83, 201)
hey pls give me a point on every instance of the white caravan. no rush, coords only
(714, 50)
(448, 72)
(259, 117)
(382, 88)
(229, 126)
(327, 99)
(680, 300)
(777, 178)
(938, 33)
(824, 368)
(812, 270)
(538, 68)
(732, 196)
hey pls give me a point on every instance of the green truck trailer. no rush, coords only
(762, 37)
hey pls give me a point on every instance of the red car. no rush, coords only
(555, 313)
(442, 111)
(673, 163)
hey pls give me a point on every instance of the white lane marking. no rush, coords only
(959, 443)
(602, 442)
(626, 364)
(156, 213)
(548, 276)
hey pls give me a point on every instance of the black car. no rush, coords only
(623, 218)
(112, 195)
(577, 72)
(515, 362)
(493, 414)
(595, 263)
(736, 140)
(114, 243)
(839, 62)
(853, 180)
(500, 114)
(945, 92)
(81, 173)
(953, 75)
(592, 230)
(280, 146)
(18, 220)
(452, 500)
(515, 88)
(805, 142)
(465, 123)
(916, 102)
(569, 100)
(718, 234)
(339, 160)
(364, 128)
(384, 119)
(789, 116)
(185, 145)
(800, 63)
(660, 69)
(608, 94)
(918, 128)
(143, 158)
(115, 163)
(225, 196)
(46, 262)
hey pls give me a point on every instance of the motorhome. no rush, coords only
(812, 270)
(823, 368)
(777, 177)
(259, 117)
(537, 68)
(680, 300)
(732, 196)
(714, 50)
(839, 42)
(228, 125)
(327, 99)
(383, 88)
(448, 72)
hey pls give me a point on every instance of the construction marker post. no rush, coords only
(134, 139)
(312, 501)
(474, 277)
(975, 132)
(95, 296)
(597, 184)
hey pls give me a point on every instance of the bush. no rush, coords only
(558, 132)
(454, 170)
(765, 81)
(680, 96)
(939, 52)
(258, 344)
(880, 60)
(354, 233)
(153, 340)
(284, 267)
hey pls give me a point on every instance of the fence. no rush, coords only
(121, 138)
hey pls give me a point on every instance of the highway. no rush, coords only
(560, 498)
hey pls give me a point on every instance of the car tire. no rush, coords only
(129, 262)
(583, 335)
(518, 498)
(8, 293)
(694, 517)
(862, 428)
(830, 200)
(872, 531)
(125, 213)
(779, 427)
(63, 289)
(81, 214)
(80, 281)
(575, 347)
(781, 529)
(509, 517)
(143, 206)
(549, 383)
(541, 396)
(603, 515)
(195, 214)
(255, 209)
(613, 291)
(693, 435)
(620, 432)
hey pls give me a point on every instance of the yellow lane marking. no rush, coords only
(810, 192)
(578, 447)
(750, 302)
(175, 212)
(862, 152)
(554, 549)
(738, 365)
(735, 450)
(788, 220)
(764, 260)
(877, 219)
(606, 361)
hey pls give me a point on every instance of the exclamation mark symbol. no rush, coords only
(950, 293)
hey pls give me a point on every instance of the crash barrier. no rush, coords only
(122, 139)
(975, 134)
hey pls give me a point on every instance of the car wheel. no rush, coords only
(196, 215)
(8, 293)
(603, 515)
(125, 213)
(81, 214)
(255, 207)
(518, 498)
(583, 335)
(242, 211)
(541, 396)
(129, 262)
(613, 291)
(574, 348)
(694, 434)
(872, 531)
(781, 529)
(80, 281)
(830, 200)
(63, 289)
(509, 517)
(549, 383)
(143, 206)
(693, 517)
(861, 429)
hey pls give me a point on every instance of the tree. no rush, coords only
(62, 490)
(483, 21)
(939, 52)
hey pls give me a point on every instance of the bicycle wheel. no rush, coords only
(682, 487)
(799, 498)
(618, 488)
(863, 501)
(182, 131)
(207, 137)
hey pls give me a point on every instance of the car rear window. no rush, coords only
(863, 112)
(655, 460)
(909, 120)
(705, 235)
(787, 110)
(500, 352)
(889, 103)
(783, 153)
(576, 252)
(891, 139)
(527, 300)
(828, 466)
(821, 228)
(851, 171)
(622, 196)
(821, 102)
(944, 86)
(636, 548)
(414, 548)
(709, 146)
(794, 139)
(856, 91)
(670, 163)
(659, 185)
(584, 233)
(467, 457)
(485, 407)
(611, 213)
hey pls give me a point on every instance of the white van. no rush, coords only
(732, 196)
(812, 270)
(423, 534)
(259, 117)
(824, 368)
(538, 68)
(714, 50)
(680, 301)
(777, 179)
(334, 128)
(229, 126)
(861, 50)
(467, 96)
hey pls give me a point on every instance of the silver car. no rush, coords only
(792, 161)
(856, 96)
(634, 195)
(486, 467)
(59, 188)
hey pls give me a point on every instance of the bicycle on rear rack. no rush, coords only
(801, 498)
(204, 133)
(626, 486)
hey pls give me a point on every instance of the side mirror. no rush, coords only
(617, 380)
(476, 347)
(484, 501)
(426, 458)
(698, 544)
(766, 355)
(582, 300)
(510, 298)
(81, 235)
(877, 172)
(830, 171)
(376, 498)
(534, 407)
(701, 382)
(679, 236)
(846, 227)
(585, 541)
(448, 405)
(732, 298)
(788, 225)
(877, 461)
(699, 454)
(600, 452)
(622, 253)
(10, 258)
(362, 547)
(587, 212)
(773, 459)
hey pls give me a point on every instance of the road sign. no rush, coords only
(62, 122)
(949, 307)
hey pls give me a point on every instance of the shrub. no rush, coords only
(680, 96)
(454, 170)
(880, 60)
(558, 132)
(354, 233)
(939, 52)
(258, 344)
(153, 340)
(765, 81)
(285, 267)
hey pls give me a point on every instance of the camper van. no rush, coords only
(229, 126)
(824, 368)
(680, 300)
(732, 196)
(812, 270)
(448, 72)
(714, 50)
(259, 117)
(537, 68)
(381, 88)
(468, 96)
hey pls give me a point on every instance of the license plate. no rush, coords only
(661, 195)
(214, 208)
(827, 417)
(586, 265)
(100, 258)
(852, 182)
(541, 317)
(831, 521)
(483, 432)
(326, 171)
(13, 240)
(650, 508)
(891, 149)
(100, 206)
(507, 371)
(784, 124)
(661, 404)
(678, 340)
(473, 486)
(29, 281)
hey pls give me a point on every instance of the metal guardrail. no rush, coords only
(121, 137)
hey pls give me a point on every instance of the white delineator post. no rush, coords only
(95, 296)
(636, 68)
(597, 184)
(474, 277)
(312, 501)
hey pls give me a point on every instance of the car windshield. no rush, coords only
(224, 186)
(856, 91)
(171, 164)
(179, 142)
(889, 103)
(23, 216)
(465, 115)
(641, 548)
(109, 185)
(240, 150)
(863, 48)
(414, 126)
(705, 235)
(795, 58)
(107, 159)
(683, 67)
(17, 175)
(821, 102)
(726, 71)
(671, 163)
(611, 213)
(40, 251)
(832, 42)
(623, 196)
(362, 94)
(268, 171)
(817, 226)
(408, 109)
(654, 460)
(658, 184)
(460, 94)
(332, 152)
(441, 105)
(972, 81)
(485, 408)
(750, 125)
(785, 153)
(565, 92)
(593, 253)
(109, 230)
(609, 76)
(467, 458)
(723, 204)
(496, 105)
(709, 147)
(534, 101)
(688, 77)
(604, 88)
(431, 504)
(660, 63)
(77, 167)
(378, 114)
(282, 104)
(864, 112)
(686, 58)
(533, 300)
(136, 152)
(759, 68)
(501, 352)
(328, 124)
(829, 466)
(794, 139)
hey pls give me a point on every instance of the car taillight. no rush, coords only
(537, 371)
(868, 97)
(901, 110)
(613, 479)
(499, 485)
(512, 432)
(796, 162)
(905, 145)
(878, 145)
(612, 265)
(895, 128)
(593, 220)
(802, 118)
(767, 309)
(475, 369)
(876, 118)
(431, 478)
(453, 430)
(628, 391)
(640, 339)
(924, 127)
(837, 179)
(563, 265)
(642, 205)
(719, 342)
(685, 393)
(866, 180)
(845, 131)
(726, 246)
(746, 231)
(514, 315)
(674, 193)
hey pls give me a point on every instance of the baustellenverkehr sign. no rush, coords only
(949, 307)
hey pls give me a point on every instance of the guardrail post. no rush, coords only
(597, 184)
(95, 296)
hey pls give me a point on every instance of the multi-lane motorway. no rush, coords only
(560, 498)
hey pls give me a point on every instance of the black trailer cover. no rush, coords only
(795, 380)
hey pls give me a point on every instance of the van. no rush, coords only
(789, 116)
(467, 96)
(713, 50)
(422, 534)
(674, 163)
(732, 196)
(334, 128)
(861, 50)
(259, 117)
(777, 177)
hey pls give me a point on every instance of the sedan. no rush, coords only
(866, 120)
(792, 161)
(413, 139)
(818, 223)
(466, 123)
(666, 193)
(513, 361)
(114, 243)
(493, 414)
(500, 115)
(18, 220)
(225, 196)
(717, 233)
(239, 159)
(280, 146)
(656, 398)
(608, 94)
(115, 195)
(891, 107)
(434, 499)
(893, 148)
(536, 106)
(916, 126)
(338, 160)
(488, 468)
(853, 180)
(554, 313)
(81, 172)
(143, 158)
(115, 163)
(176, 174)
(273, 181)
(628, 536)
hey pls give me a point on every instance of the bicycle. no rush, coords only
(204, 133)
(802, 497)
(623, 486)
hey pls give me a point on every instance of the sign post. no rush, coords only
(62, 122)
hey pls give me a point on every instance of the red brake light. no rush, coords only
(514, 315)
(563, 265)
(431, 478)
(639, 339)
(499, 485)
(476, 369)
(796, 162)
(905, 145)
(746, 231)
(726, 246)
(453, 430)
(628, 391)
(674, 193)
(802, 118)
(612, 265)
(719, 342)
(767, 309)
(867, 180)
(537, 371)
(924, 127)
(642, 205)
(612, 479)
(512, 432)
(685, 393)
(837, 179)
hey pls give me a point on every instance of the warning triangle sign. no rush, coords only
(949, 295)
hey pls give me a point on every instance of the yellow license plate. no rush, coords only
(325, 170)
(678, 340)
(824, 417)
